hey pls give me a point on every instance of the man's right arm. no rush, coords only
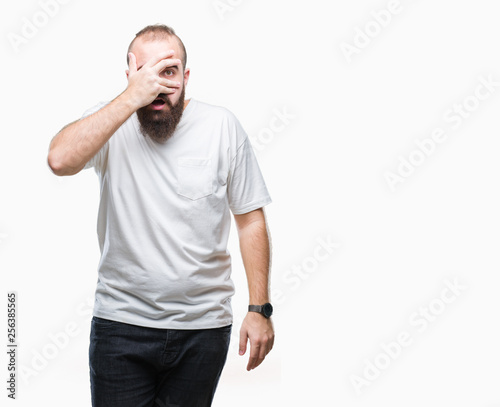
(79, 141)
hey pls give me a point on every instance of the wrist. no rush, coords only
(128, 101)
(258, 298)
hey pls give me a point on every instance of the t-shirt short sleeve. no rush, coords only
(247, 189)
(99, 160)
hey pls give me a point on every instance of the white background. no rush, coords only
(353, 121)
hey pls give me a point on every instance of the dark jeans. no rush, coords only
(133, 366)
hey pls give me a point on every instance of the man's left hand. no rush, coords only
(260, 331)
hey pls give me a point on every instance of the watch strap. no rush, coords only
(265, 310)
(255, 308)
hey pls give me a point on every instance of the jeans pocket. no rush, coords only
(226, 328)
(103, 323)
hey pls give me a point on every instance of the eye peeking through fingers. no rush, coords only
(168, 72)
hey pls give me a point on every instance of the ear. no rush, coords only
(126, 72)
(186, 76)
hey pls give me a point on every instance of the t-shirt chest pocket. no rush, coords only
(194, 177)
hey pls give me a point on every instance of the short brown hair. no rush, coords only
(160, 31)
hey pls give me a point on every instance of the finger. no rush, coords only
(153, 61)
(165, 63)
(164, 89)
(262, 354)
(254, 356)
(168, 83)
(243, 342)
(132, 63)
(270, 344)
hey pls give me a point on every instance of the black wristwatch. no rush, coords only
(266, 310)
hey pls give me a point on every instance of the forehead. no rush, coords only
(146, 48)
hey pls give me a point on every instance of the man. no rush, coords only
(171, 171)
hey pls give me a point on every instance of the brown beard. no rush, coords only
(160, 125)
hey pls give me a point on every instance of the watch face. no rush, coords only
(267, 309)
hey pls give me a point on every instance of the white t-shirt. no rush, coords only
(164, 219)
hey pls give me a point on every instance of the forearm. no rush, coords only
(79, 141)
(256, 254)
